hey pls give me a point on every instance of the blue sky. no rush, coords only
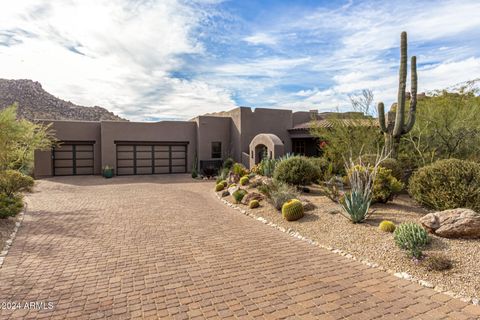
(174, 59)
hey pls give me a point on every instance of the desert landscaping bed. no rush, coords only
(326, 225)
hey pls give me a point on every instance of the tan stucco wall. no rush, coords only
(212, 129)
(171, 131)
(261, 120)
(69, 131)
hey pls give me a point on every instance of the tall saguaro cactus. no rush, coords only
(394, 126)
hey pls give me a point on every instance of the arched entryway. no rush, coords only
(265, 144)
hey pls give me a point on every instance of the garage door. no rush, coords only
(151, 158)
(73, 158)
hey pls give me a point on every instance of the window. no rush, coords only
(216, 150)
(299, 147)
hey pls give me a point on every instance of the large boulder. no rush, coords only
(453, 223)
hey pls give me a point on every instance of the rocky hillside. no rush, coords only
(35, 103)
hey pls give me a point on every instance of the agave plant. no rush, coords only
(356, 202)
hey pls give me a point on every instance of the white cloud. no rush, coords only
(109, 53)
(261, 38)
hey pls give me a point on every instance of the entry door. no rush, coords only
(73, 158)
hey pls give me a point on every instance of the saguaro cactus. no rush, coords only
(394, 126)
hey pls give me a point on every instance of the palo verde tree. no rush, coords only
(394, 126)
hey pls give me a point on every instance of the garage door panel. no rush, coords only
(162, 162)
(166, 158)
(84, 171)
(73, 159)
(64, 171)
(162, 169)
(178, 162)
(144, 170)
(63, 163)
(125, 171)
(180, 169)
(84, 163)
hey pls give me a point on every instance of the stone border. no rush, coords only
(401, 275)
(9, 242)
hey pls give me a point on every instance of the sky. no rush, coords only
(150, 60)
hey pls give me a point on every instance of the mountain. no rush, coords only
(35, 103)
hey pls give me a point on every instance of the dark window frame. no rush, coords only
(299, 147)
(216, 154)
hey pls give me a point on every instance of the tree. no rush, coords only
(350, 135)
(447, 126)
(19, 139)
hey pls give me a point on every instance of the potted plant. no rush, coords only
(107, 172)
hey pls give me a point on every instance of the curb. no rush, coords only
(373, 265)
(9, 242)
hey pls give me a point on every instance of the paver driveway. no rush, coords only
(165, 247)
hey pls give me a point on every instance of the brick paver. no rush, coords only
(164, 247)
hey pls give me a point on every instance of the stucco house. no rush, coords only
(134, 148)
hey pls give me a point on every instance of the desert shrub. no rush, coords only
(387, 226)
(223, 174)
(239, 170)
(238, 195)
(324, 167)
(279, 193)
(219, 187)
(292, 210)
(411, 237)
(297, 171)
(266, 167)
(437, 263)
(228, 163)
(13, 182)
(385, 185)
(254, 204)
(244, 180)
(10, 206)
(447, 184)
(392, 164)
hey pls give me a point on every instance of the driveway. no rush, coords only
(165, 247)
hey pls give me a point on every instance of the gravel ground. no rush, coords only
(326, 225)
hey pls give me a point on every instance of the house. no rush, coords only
(134, 148)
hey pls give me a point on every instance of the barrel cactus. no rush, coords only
(244, 180)
(387, 226)
(239, 194)
(292, 210)
(411, 237)
(254, 204)
(219, 187)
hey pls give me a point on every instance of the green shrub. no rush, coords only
(389, 163)
(297, 171)
(223, 174)
(279, 193)
(385, 186)
(411, 237)
(239, 170)
(239, 194)
(292, 210)
(244, 180)
(13, 182)
(324, 167)
(254, 204)
(228, 163)
(447, 184)
(10, 206)
(219, 187)
(387, 226)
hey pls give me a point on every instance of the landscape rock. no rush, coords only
(453, 223)
(307, 205)
(225, 193)
(252, 196)
(232, 189)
